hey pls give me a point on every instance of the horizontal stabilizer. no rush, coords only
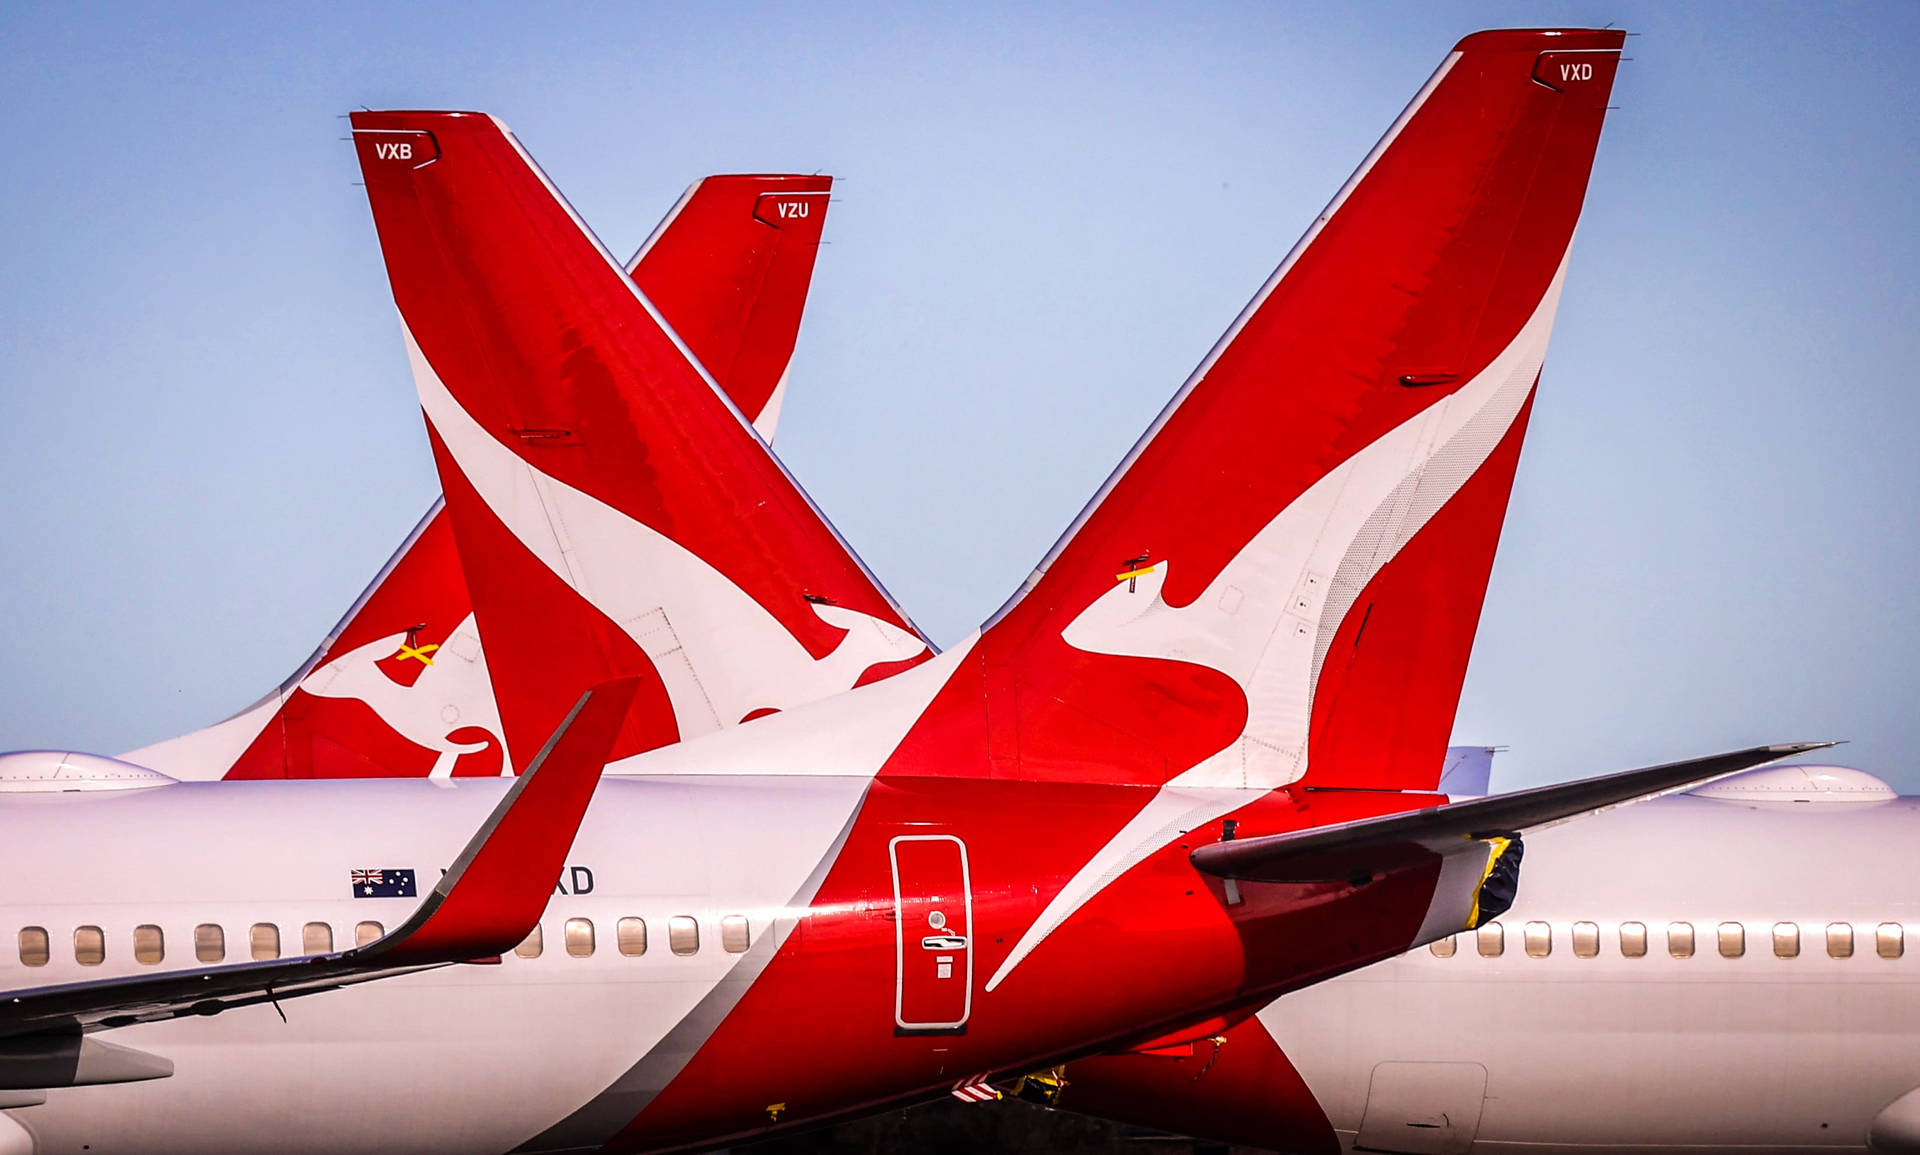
(490, 899)
(1397, 840)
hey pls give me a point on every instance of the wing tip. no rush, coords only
(1789, 749)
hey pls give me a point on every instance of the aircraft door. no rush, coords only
(1423, 1108)
(933, 934)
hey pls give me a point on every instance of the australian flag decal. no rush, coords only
(383, 884)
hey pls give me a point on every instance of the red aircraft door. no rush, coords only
(932, 934)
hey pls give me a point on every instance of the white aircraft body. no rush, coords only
(1727, 970)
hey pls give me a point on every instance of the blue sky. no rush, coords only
(1044, 218)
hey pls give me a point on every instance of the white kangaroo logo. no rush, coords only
(721, 654)
(1268, 616)
(452, 693)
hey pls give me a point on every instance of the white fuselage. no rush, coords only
(460, 1059)
(1657, 1053)
(1424, 1054)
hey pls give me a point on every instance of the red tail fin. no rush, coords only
(1284, 576)
(625, 519)
(400, 687)
(729, 270)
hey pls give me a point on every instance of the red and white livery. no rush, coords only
(400, 687)
(1165, 785)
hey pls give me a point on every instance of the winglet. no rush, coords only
(1340, 851)
(488, 902)
(492, 896)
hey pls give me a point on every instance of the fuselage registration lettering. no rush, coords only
(580, 877)
(576, 880)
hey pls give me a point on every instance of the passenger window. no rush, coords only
(149, 944)
(1680, 939)
(1444, 948)
(1733, 939)
(735, 935)
(1633, 939)
(579, 932)
(367, 932)
(1889, 940)
(34, 946)
(264, 939)
(1786, 940)
(316, 938)
(1586, 939)
(1490, 940)
(631, 933)
(1538, 937)
(209, 943)
(531, 945)
(683, 934)
(89, 946)
(1840, 939)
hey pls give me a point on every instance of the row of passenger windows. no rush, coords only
(630, 937)
(263, 940)
(1729, 938)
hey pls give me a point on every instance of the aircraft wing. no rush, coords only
(1392, 841)
(488, 901)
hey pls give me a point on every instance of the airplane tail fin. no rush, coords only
(1283, 578)
(615, 513)
(400, 687)
(730, 267)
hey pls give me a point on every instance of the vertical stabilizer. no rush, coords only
(729, 269)
(615, 512)
(400, 687)
(1283, 579)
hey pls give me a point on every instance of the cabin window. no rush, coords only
(1586, 939)
(631, 935)
(1538, 937)
(1840, 939)
(209, 943)
(1889, 940)
(1444, 948)
(1732, 938)
(531, 945)
(149, 944)
(735, 935)
(579, 935)
(264, 941)
(316, 938)
(34, 948)
(1633, 940)
(683, 934)
(367, 933)
(89, 946)
(1490, 940)
(1786, 940)
(1680, 939)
